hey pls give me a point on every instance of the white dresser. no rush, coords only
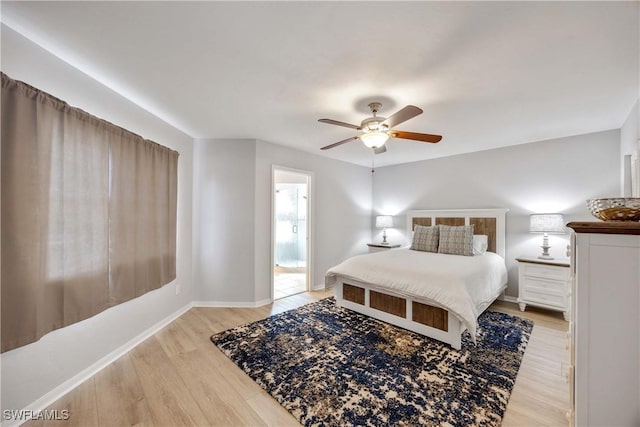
(605, 325)
(544, 283)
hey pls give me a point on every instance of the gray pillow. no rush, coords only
(456, 240)
(425, 239)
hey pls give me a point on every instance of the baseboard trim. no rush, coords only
(49, 398)
(232, 304)
(321, 287)
(508, 298)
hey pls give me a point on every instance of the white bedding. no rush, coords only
(464, 285)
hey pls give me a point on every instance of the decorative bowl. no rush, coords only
(615, 209)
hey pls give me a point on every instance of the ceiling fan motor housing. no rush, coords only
(374, 124)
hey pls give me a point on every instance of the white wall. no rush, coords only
(232, 216)
(29, 372)
(629, 140)
(224, 204)
(549, 176)
(341, 210)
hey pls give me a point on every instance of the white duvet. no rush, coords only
(464, 285)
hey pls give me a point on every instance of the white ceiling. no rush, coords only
(486, 74)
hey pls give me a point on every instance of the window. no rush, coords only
(88, 214)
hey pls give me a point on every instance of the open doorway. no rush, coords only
(291, 225)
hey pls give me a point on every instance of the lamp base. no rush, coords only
(384, 237)
(545, 248)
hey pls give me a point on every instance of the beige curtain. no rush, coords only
(88, 214)
(143, 205)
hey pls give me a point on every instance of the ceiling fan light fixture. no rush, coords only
(374, 139)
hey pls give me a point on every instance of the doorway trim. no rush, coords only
(310, 218)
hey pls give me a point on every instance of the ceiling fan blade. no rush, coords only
(338, 123)
(335, 144)
(408, 112)
(424, 137)
(380, 150)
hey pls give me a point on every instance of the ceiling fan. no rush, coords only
(377, 130)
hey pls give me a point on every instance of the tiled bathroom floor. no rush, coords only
(288, 281)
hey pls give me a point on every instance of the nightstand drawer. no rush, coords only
(546, 272)
(559, 301)
(552, 287)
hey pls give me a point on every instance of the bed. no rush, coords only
(436, 295)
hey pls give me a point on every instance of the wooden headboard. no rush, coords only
(485, 221)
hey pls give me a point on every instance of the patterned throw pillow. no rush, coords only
(425, 239)
(456, 240)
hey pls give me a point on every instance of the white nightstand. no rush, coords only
(377, 247)
(544, 283)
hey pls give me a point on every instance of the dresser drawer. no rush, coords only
(531, 296)
(546, 272)
(553, 287)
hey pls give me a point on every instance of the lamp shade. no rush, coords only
(374, 139)
(547, 223)
(384, 221)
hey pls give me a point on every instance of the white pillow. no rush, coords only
(480, 244)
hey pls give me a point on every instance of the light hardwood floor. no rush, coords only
(178, 377)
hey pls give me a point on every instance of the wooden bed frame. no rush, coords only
(416, 314)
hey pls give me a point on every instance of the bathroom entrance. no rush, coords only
(291, 232)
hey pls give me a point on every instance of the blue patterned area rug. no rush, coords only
(331, 366)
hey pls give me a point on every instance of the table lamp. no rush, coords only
(384, 222)
(546, 223)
